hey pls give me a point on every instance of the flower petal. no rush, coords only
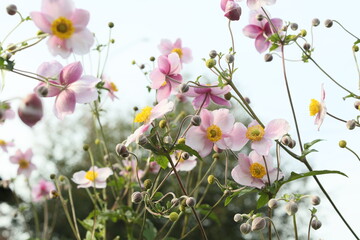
(157, 78)
(220, 101)
(71, 73)
(85, 89)
(276, 128)
(175, 63)
(164, 65)
(58, 8)
(80, 19)
(165, 46)
(41, 21)
(81, 42)
(64, 104)
(262, 147)
(223, 119)
(261, 44)
(252, 31)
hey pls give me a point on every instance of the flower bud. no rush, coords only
(328, 23)
(54, 194)
(147, 184)
(291, 208)
(211, 179)
(152, 58)
(167, 139)
(52, 176)
(184, 88)
(292, 144)
(355, 48)
(97, 141)
(181, 141)
(185, 155)
(215, 155)
(135, 109)
(351, 124)
(315, 200)
(294, 26)
(61, 178)
(286, 139)
(232, 11)
(245, 228)
(229, 58)
(303, 33)
(190, 202)
(210, 63)
(196, 120)
(162, 123)
(306, 46)
(11, 9)
(175, 201)
(238, 217)
(182, 208)
(273, 203)
(30, 110)
(133, 62)
(228, 96)
(142, 141)
(357, 105)
(258, 223)
(315, 22)
(86, 147)
(213, 54)
(121, 150)
(342, 144)
(268, 57)
(247, 100)
(42, 91)
(136, 197)
(111, 24)
(259, 17)
(173, 216)
(315, 224)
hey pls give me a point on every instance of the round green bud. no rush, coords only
(342, 144)
(147, 183)
(61, 178)
(229, 58)
(211, 179)
(315, 200)
(303, 33)
(86, 147)
(97, 141)
(351, 124)
(273, 203)
(135, 109)
(215, 155)
(181, 141)
(173, 216)
(152, 58)
(228, 96)
(112, 41)
(52, 176)
(133, 62)
(111, 24)
(162, 123)
(210, 63)
(238, 217)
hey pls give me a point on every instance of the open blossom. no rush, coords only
(66, 26)
(261, 30)
(42, 190)
(6, 112)
(95, 177)
(182, 164)
(318, 108)
(204, 94)
(252, 171)
(256, 4)
(166, 78)
(4, 145)
(111, 87)
(147, 116)
(217, 128)
(262, 138)
(71, 87)
(166, 47)
(130, 170)
(24, 162)
(232, 9)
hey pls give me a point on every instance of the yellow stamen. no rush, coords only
(164, 83)
(2, 142)
(113, 87)
(314, 107)
(213, 133)
(179, 157)
(257, 170)
(62, 28)
(144, 115)
(178, 51)
(255, 133)
(23, 163)
(91, 175)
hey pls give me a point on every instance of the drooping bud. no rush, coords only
(228, 96)
(147, 184)
(303, 33)
(245, 228)
(210, 63)
(11, 9)
(185, 155)
(315, 224)
(215, 156)
(152, 58)
(136, 197)
(175, 201)
(213, 54)
(355, 48)
(162, 123)
(294, 26)
(86, 147)
(258, 223)
(328, 23)
(315, 22)
(42, 91)
(190, 202)
(211, 179)
(167, 139)
(247, 100)
(232, 11)
(173, 216)
(52, 176)
(184, 88)
(229, 58)
(291, 208)
(111, 25)
(135, 109)
(273, 203)
(351, 124)
(315, 200)
(238, 217)
(307, 46)
(196, 120)
(292, 144)
(259, 17)
(286, 140)
(342, 144)
(268, 57)
(357, 105)
(30, 110)
(121, 150)
(142, 66)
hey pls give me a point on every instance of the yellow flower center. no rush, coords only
(62, 28)
(23, 163)
(314, 107)
(255, 133)
(179, 157)
(144, 115)
(257, 170)
(164, 83)
(2, 142)
(113, 87)
(213, 133)
(91, 175)
(178, 51)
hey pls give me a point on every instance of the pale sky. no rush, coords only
(139, 27)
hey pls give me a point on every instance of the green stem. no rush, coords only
(357, 156)
(295, 227)
(345, 29)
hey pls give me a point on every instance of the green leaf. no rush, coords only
(161, 160)
(238, 194)
(308, 145)
(263, 199)
(357, 41)
(188, 149)
(273, 47)
(295, 176)
(149, 230)
(306, 152)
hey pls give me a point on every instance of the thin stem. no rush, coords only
(342, 120)
(309, 228)
(46, 221)
(357, 66)
(345, 29)
(295, 227)
(172, 227)
(357, 156)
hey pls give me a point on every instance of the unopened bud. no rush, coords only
(190, 202)
(52, 176)
(291, 208)
(181, 141)
(245, 228)
(351, 124)
(294, 26)
(286, 140)
(211, 179)
(213, 54)
(259, 17)
(315, 224)
(196, 120)
(215, 156)
(328, 23)
(292, 144)
(136, 197)
(355, 48)
(238, 217)
(112, 41)
(185, 156)
(258, 223)
(247, 100)
(162, 123)
(31, 110)
(268, 57)
(133, 62)
(142, 66)
(307, 46)
(315, 200)
(121, 150)
(54, 194)
(42, 91)
(142, 141)
(210, 63)
(167, 139)
(86, 147)
(173, 216)
(61, 178)
(357, 105)
(303, 33)
(315, 22)
(175, 201)
(342, 144)
(273, 203)
(97, 141)
(229, 58)
(111, 24)
(228, 96)
(11, 9)
(184, 88)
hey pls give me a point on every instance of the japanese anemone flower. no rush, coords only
(318, 108)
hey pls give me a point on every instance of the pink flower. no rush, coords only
(204, 94)
(42, 190)
(95, 177)
(154, 167)
(24, 162)
(147, 116)
(232, 9)
(66, 26)
(256, 4)
(181, 164)
(261, 30)
(318, 108)
(4, 145)
(6, 112)
(166, 47)
(252, 171)
(111, 87)
(130, 170)
(30, 110)
(73, 88)
(217, 128)
(261, 139)
(166, 77)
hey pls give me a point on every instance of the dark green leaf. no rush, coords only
(308, 145)
(188, 149)
(161, 160)
(238, 194)
(263, 199)
(295, 176)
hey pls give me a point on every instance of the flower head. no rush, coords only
(318, 108)
(252, 171)
(182, 164)
(24, 162)
(166, 77)
(95, 177)
(217, 128)
(166, 47)
(256, 4)
(131, 170)
(4, 145)
(232, 9)
(6, 112)
(42, 190)
(204, 94)
(261, 30)
(111, 87)
(70, 86)
(66, 26)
